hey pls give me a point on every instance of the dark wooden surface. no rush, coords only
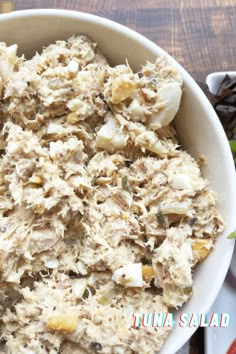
(200, 34)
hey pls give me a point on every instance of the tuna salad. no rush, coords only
(102, 214)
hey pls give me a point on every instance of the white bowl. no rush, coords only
(199, 129)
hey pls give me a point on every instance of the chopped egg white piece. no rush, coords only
(181, 208)
(181, 181)
(79, 287)
(129, 275)
(81, 268)
(52, 263)
(110, 136)
(54, 128)
(136, 110)
(74, 104)
(170, 95)
(11, 51)
(73, 67)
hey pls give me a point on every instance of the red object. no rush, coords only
(232, 348)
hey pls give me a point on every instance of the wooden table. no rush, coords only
(200, 34)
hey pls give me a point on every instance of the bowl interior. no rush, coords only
(198, 127)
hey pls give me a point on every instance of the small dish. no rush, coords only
(218, 340)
